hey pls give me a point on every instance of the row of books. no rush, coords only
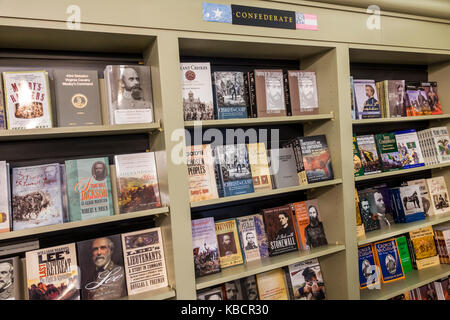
(79, 189)
(34, 98)
(389, 260)
(104, 268)
(378, 207)
(400, 150)
(393, 98)
(298, 281)
(436, 290)
(275, 231)
(236, 94)
(228, 170)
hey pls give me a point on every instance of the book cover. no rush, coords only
(259, 165)
(202, 179)
(441, 145)
(230, 95)
(249, 238)
(36, 196)
(230, 252)
(303, 92)
(369, 155)
(129, 94)
(411, 202)
(10, 288)
(306, 280)
(438, 195)
(389, 261)
(359, 225)
(205, 247)
(27, 99)
(232, 290)
(409, 149)
(390, 157)
(422, 240)
(283, 168)
(101, 268)
(77, 98)
(368, 210)
(144, 260)
(403, 251)
(395, 98)
(367, 103)
(137, 182)
(369, 276)
(383, 203)
(281, 233)
(213, 293)
(316, 158)
(294, 144)
(358, 169)
(424, 193)
(416, 103)
(443, 288)
(249, 288)
(428, 292)
(353, 99)
(89, 188)
(196, 88)
(52, 273)
(271, 285)
(269, 88)
(2, 106)
(5, 213)
(431, 93)
(261, 235)
(310, 227)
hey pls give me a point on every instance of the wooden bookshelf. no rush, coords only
(401, 172)
(363, 122)
(158, 294)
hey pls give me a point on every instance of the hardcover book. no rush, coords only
(409, 149)
(294, 144)
(281, 233)
(230, 252)
(259, 166)
(441, 145)
(395, 98)
(10, 288)
(249, 288)
(369, 155)
(391, 159)
(144, 260)
(129, 94)
(367, 102)
(432, 96)
(89, 188)
(368, 210)
(77, 98)
(283, 168)
(249, 238)
(2, 107)
(389, 261)
(101, 268)
(369, 276)
(232, 290)
(52, 273)
(316, 158)
(230, 95)
(196, 90)
(270, 98)
(383, 203)
(213, 293)
(303, 92)
(27, 100)
(402, 246)
(5, 197)
(358, 169)
(271, 285)
(311, 233)
(424, 249)
(424, 193)
(305, 280)
(202, 179)
(408, 203)
(205, 247)
(438, 195)
(36, 196)
(137, 182)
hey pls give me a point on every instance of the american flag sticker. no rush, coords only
(306, 21)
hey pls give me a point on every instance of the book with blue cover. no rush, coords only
(408, 203)
(230, 95)
(389, 261)
(368, 270)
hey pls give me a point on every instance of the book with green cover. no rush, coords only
(89, 188)
(358, 169)
(403, 250)
(388, 152)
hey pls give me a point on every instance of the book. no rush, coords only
(137, 182)
(381, 98)
(369, 276)
(359, 225)
(369, 155)
(283, 168)
(248, 238)
(232, 290)
(416, 103)
(423, 248)
(409, 149)
(388, 152)
(441, 144)
(27, 99)
(294, 144)
(101, 268)
(358, 169)
(202, 179)
(144, 260)
(233, 169)
(271, 285)
(89, 188)
(5, 198)
(388, 259)
(249, 288)
(269, 92)
(402, 246)
(230, 252)
(316, 158)
(311, 233)
(129, 94)
(10, 288)
(442, 238)
(230, 95)
(36, 196)
(305, 280)
(196, 88)
(52, 273)
(213, 293)
(303, 92)
(438, 195)
(431, 93)
(368, 210)
(353, 100)
(395, 98)
(367, 103)
(424, 193)
(443, 288)
(384, 209)
(428, 292)
(280, 229)
(77, 97)
(205, 247)
(408, 203)
(257, 156)
(261, 235)
(3, 124)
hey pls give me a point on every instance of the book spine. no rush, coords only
(247, 95)
(252, 94)
(289, 287)
(214, 94)
(287, 98)
(411, 250)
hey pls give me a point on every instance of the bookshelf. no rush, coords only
(158, 39)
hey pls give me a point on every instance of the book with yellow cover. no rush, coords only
(230, 252)
(271, 285)
(423, 248)
(259, 165)
(202, 179)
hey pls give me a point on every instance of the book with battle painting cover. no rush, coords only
(257, 155)
(409, 149)
(270, 97)
(316, 158)
(230, 94)
(205, 248)
(249, 238)
(5, 198)
(202, 179)
(303, 92)
(431, 93)
(272, 285)
(369, 155)
(390, 157)
(230, 252)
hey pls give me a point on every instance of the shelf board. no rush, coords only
(413, 279)
(254, 267)
(83, 131)
(78, 224)
(158, 294)
(265, 193)
(245, 122)
(400, 228)
(362, 122)
(401, 171)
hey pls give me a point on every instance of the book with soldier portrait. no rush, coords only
(358, 169)
(269, 92)
(101, 268)
(249, 237)
(303, 92)
(438, 195)
(389, 261)
(249, 288)
(36, 196)
(230, 252)
(272, 285)
(305, 281)
(137, 182)
(259, 166)
(367, 103)
(89, 188)
(311, 233)
(205, 248)
(52, 273)
(416, 102)
(368, 270)
(368, 210)
(316, 158)
(196, 88)
(232, 290)
(5, 197)
(129, 94)
(230, 95)
(432, 96)
(369, 155)
(201, 173)
(27, 99)
(395, 102)
(10, 286)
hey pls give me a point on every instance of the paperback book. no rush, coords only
(213, 293)
(311, 233)
(423, 248)
(369, 276)
(232, 290)
(249, 238)
(390, 157)
(402, 246)
(369, 155)
(316, 158)
(408, 203)
(367, 102)
(249, 288)
(358, 169)
(389, 261)
(368, 210)
(294, 144)
(305, 281)
(230, 95)
(271, 285)
(303, 92)
(10, 288)
(438, 195)
(424, 193)
(5, 197)
(395, 98)
(409, 149)
(269, 91)
(441, 144)
(2, 107)
(432, 96)
(259, 166)
(230, 252)
(283, 168)
(205, 247)
(202, 179)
